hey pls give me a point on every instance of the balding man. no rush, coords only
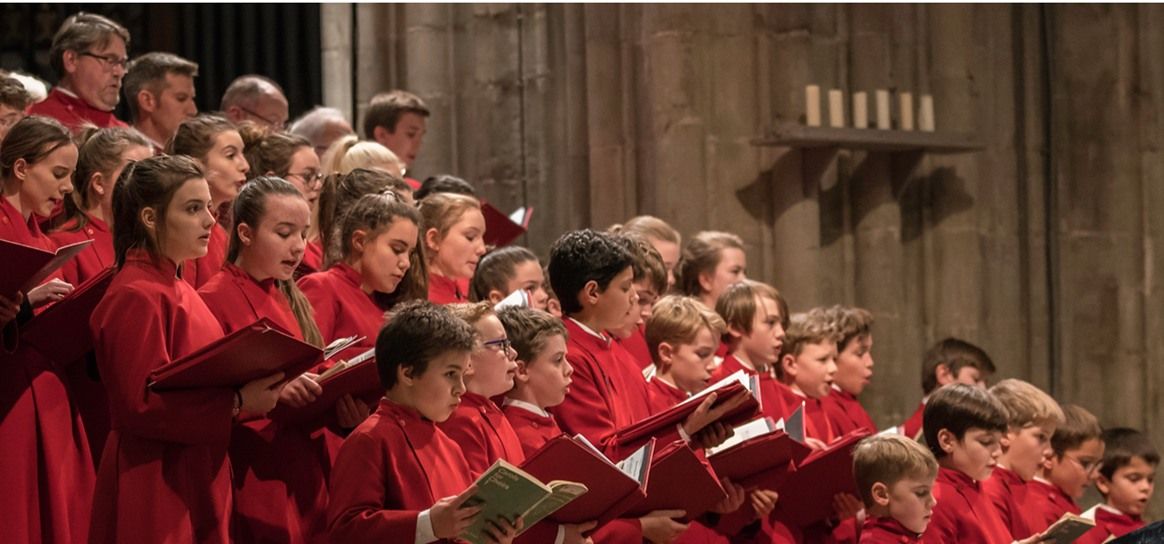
(257, 99)
(322, 127)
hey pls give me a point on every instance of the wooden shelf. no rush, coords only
(800, 136)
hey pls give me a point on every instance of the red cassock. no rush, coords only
(483, 433)
(341, 308)
(395, 465)
(1008, 493)
(47, 468)
(663, 395)
(1046, 503)
(963, 514)
(636, 345)
(533, 429)
(280, 472)
(845, 413)
(913, 426)
(198, 271)
(73, 112)
(164, 474)
(1109, 523)
(312, 259)
(88, 393)
(443, 290)
(771, 398)
(816, 422)
(886, 531)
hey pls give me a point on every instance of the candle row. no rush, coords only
(905, 112)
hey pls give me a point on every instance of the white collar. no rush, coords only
(592, 332)
(528, 406)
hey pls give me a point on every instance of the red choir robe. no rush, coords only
(663, 395)
(636, 345)
(341, 307)
(816, 422)
(164, 474)
(913, 426)
(88, 393)
(483, 433)
(280, 472)
(771, 398)
(198, 271)
(1109, 523)
(1008, 493)
(963, 514)
(48, 468)
(845, 412)
(395, 465)
(1046, 503)
(886, 531)
(73, 112)
(443, 290)
(312, 259)
(533, 429)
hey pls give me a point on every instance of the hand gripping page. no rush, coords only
(357, 377)
(61, 332)
(509, 492)
(250, 353)
(816, 480)
(727, 389)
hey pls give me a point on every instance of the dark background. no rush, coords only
(280, 41)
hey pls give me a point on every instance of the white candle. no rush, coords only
(926, 116)
(860, 110)
(883, 109)
(906, 100)
(836, 108)
(812, 105)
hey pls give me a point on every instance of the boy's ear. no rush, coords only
(666, 355)
(589, 294)
(495, 296)
(735, 333)
(404, 375)
(1102, 484)
(880, 493)
(788, 365)
(947, 441)
(521, 374)
(1005, 439)
(942, 373)
(380, 133)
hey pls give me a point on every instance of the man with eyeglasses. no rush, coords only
(256, 99)
(89, 55)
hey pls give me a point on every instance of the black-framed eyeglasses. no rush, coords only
(263, 118)
(110, 62)
(500, 345)
(310, 178)
(1088, 466)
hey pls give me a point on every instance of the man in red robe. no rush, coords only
(89, 53)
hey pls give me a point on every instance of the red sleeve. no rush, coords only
(619, 531)
(996, 491)
(127, 351)
(323, 304)
(585, 410)
(356, 509)
(943, 527)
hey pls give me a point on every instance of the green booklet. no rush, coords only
(1067, 529)
(505, 491)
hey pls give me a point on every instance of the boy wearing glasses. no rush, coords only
(1077, 447)
(88, 53)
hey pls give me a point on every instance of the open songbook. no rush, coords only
(614, 487)
(1067, 529)
(501, 229)
(357, 377)
(26, 267)
(727, 390)
(68, 318)
(250, 353)
(510, 492)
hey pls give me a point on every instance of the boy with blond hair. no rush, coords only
(808, 365)
(1077, 447)
(755, 317)
(895, 477)
(1031, 419)
(854, 369)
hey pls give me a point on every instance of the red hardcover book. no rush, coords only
(680, 480)
(358, 377)
(726, 390)
(61, 332)
(247, 354)
(762, 456)
(26, 267)
(816, 480)
(500, 230)
(613, 488)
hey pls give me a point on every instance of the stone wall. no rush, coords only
(1040, 248)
